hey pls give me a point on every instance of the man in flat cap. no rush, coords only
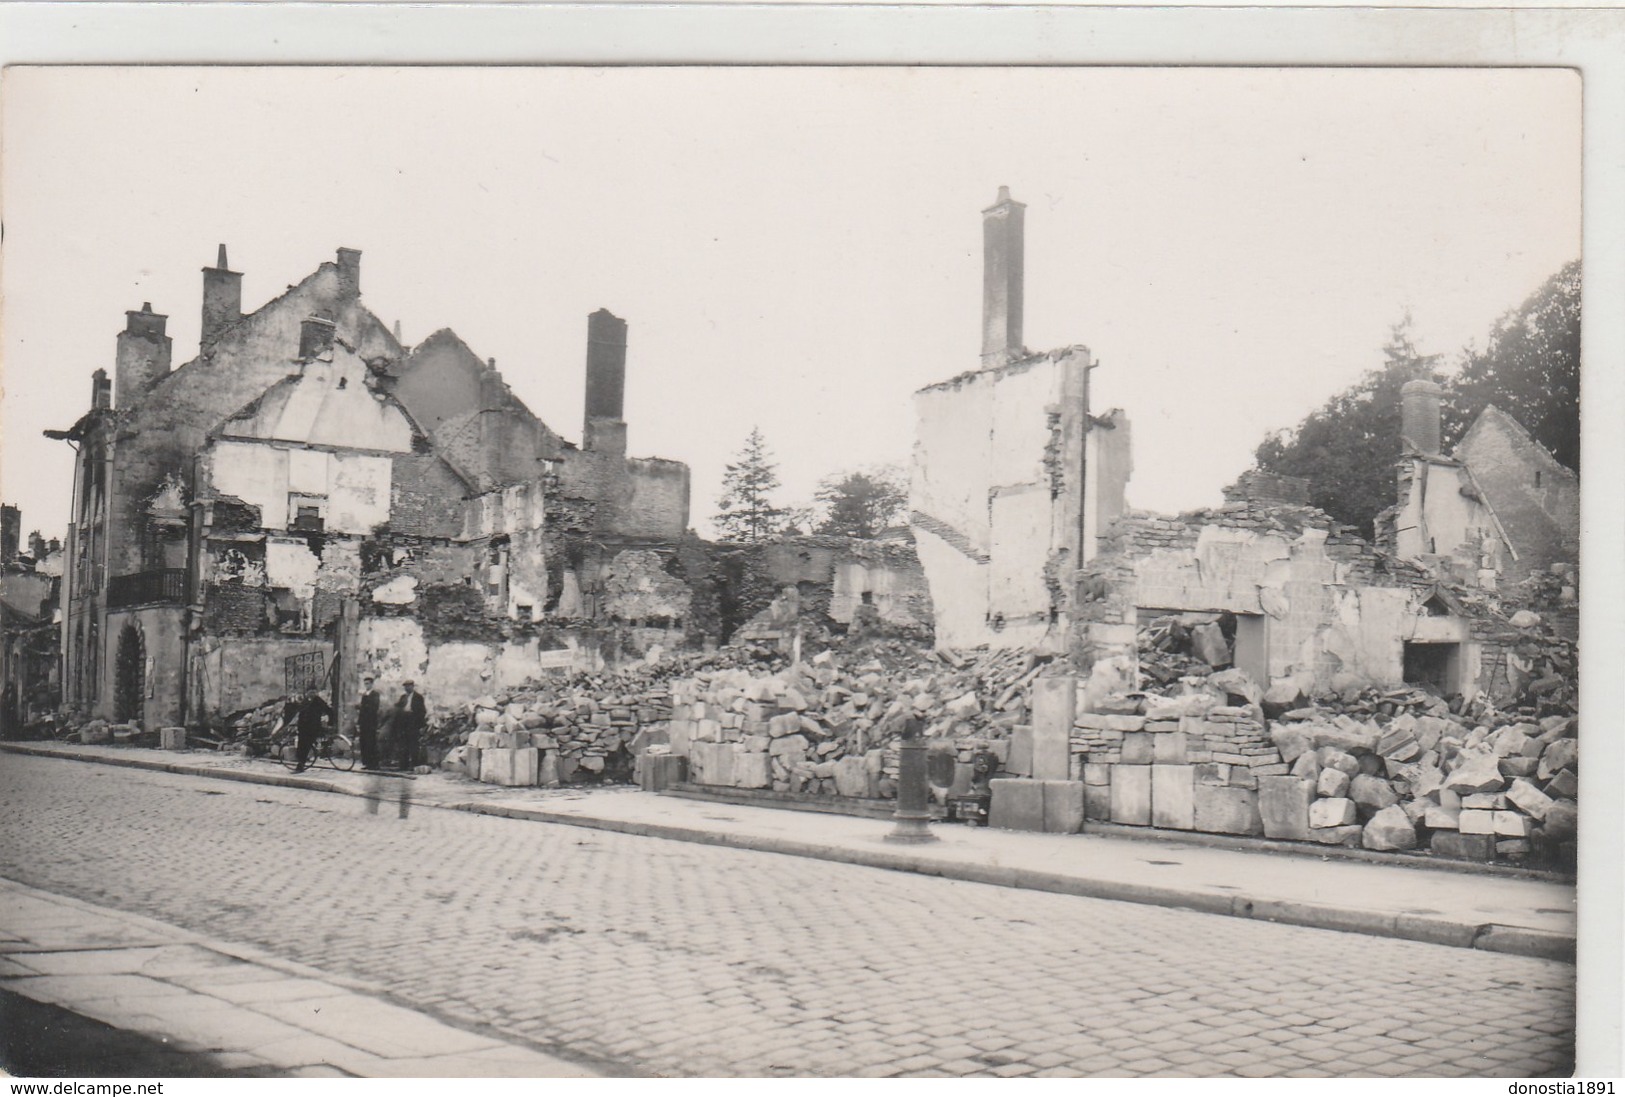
(410, 717)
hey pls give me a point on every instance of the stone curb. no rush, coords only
(1490, 937)
(1515, 940)
(289, 781)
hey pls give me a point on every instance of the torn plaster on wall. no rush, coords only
(399, 591)
(290, 564)
(235, 566)
(340, 570)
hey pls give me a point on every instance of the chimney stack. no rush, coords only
(1419, 417)
(349, 272)
(222, 300)
(1003, 256)
(101, 391)
(315, 337)
(143, 354)
(605, 430)
(11, 530)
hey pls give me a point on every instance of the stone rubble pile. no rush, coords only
(577, 728)
(1199, 748)
(830, 726)
(1478, 786)
(1190, 759)
(1180, 645)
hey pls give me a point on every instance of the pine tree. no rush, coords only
(746, 511)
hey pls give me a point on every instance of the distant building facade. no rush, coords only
(30, 624)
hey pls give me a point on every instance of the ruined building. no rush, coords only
(309, 499)
(1496, 512)
(1018, 508)
(1013, 477)
(30, 594)
(1308, 607)
(307, 492)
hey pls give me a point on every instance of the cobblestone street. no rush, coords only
(670, 958)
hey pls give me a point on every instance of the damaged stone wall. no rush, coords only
(996, 496)
(1536, 500)
(1442, 523)
(832, 585)
(632, 497)
(453, 673)
(233, 673)
(1330, 610)
(170, 422)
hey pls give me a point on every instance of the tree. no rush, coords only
(1530, 369)
(746, 511)
(1346, 448)
(862, 503)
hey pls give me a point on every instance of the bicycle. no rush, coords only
(335, 748)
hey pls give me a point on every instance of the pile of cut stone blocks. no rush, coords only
(1179, 771)
(1053, 799)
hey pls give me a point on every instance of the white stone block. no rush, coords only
(1335, 811)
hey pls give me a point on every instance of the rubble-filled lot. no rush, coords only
(1196, 746)
(749, 718)
(1200, 748)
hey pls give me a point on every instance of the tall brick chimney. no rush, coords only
(101, 391)
(350, 272)
(1419, 417)
(605, 430)
(11, 532)
(143, 354)
(222, 300)
(1003, 257)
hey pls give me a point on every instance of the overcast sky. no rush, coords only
(798, 249)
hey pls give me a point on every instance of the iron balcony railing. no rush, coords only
(167, 585)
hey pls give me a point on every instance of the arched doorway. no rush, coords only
(129, 676)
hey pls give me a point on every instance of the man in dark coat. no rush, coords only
(367, 723)
(311, 714)
(410, 717)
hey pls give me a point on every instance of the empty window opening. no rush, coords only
(1434, 665)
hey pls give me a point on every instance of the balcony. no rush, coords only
(167, 585)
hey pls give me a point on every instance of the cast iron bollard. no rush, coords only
(913, 815)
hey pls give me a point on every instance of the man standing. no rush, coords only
(311, 714)
(410, 717)
(367, 723)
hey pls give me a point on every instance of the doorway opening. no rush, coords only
(130, 676)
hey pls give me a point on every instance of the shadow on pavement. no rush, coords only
(45, 1041)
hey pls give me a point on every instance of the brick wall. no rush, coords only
(426, 497)
(230, 608)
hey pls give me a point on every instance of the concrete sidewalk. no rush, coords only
(1403, 897)
(245, 1011)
